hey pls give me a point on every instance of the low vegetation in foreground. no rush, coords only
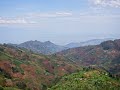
(88, 80)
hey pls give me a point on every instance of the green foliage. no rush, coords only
(44, 87)
(1, 49)
(1, 79)
(1, 88)
(17, 62)
(10, 88)
(38, 71)
(21, 85)
(4, 73)
(3, 56)
(17, 69)
(87, 80)
(47, 72)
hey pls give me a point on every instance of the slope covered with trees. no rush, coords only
(24, 70)
(106, 55)
(98, 66)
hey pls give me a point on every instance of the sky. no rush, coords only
(58, 21)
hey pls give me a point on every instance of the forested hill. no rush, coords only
(24, 70)
(105, 55)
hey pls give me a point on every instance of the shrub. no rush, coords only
(1, 49)
(1, 88)
(21, 85)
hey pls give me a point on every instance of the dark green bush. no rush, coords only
(1, 49)
(21, 85)
(1, 88)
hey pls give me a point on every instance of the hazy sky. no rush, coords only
(59, 21)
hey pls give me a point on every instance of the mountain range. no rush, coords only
(48, 47)
(86, 43)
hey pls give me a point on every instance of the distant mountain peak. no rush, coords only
(46, 47)
(48, 42)
(89, 42)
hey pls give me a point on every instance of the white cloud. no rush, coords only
(50, 15)
(32, 18)
(106, 3)
(12, 21)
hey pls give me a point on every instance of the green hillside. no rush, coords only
(87, 80)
